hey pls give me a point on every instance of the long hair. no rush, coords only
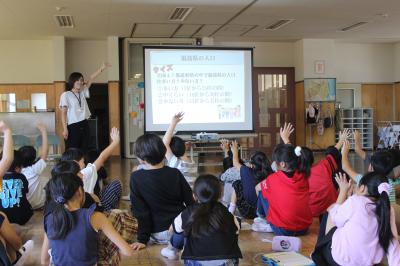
(207, 216)
(372, 180)
(262, 165)
(75, 76)
(286, 153)
(62, 188)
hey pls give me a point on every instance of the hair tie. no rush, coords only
(297, 151)
(60, 200)
(384, 187)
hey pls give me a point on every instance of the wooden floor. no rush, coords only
(250, 243)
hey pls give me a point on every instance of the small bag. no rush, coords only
(328, 120)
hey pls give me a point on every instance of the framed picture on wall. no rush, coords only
(320, 90)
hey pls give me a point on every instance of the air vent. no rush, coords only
(354, 26)
(279, 24)
(180, 13)
(64, 21)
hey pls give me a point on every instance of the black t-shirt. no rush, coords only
(89, 201)
(221, 244)
(157, 197)
(13, 198)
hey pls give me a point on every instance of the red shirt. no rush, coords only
(322, 191)
(288, 199)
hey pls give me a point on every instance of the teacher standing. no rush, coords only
(75, 111)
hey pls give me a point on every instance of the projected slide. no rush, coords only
(212, 87)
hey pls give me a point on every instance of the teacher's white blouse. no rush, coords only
(77, 107)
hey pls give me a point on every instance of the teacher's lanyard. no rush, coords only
(78, 98)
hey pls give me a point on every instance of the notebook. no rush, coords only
(286, 259)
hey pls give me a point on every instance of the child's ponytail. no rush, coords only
(207, 216)
(305, 159)
(378, 188)
(62, 188)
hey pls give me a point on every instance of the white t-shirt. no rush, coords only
(89, 177)
(36, 195)
(188, 169)
(75, 112)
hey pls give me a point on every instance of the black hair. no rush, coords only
(28, 155)
(396, 157)
(382, 162)
(72, 154)
(75, 76)
(65, 167)
(228, 161)
(62, 188)
(262, 165)
(372, 180)
(207, 216)
(17, 162)
(177, 146)
(286, 153)
(150, 148)
(337, 156)
(61, 167)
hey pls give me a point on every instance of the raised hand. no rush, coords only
(177, 118)
(114, 134)
(286, 131)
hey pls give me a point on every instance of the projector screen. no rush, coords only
(212, 86)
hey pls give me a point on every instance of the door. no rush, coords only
(273, 105)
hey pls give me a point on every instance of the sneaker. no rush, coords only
(170, 253)
(24, 253)
(261, 225)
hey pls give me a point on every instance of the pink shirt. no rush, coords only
(356, 241)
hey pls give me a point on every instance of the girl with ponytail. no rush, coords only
(72, 230)
(284, 198)
(206, 229)
(360, 229)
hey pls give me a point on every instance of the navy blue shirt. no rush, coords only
(248, 178)
(13, 198)
(79, 247)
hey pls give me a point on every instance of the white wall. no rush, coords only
(397, 62)
(268, 54)
(319, 50)
(299, 60)
(26, 61)
(365, 62)
(86, 57)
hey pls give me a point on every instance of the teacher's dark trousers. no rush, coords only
(78, 136)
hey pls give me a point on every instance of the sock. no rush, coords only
(232, 207)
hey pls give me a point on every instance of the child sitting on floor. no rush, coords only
(284, 197)
(176, 151)
(244, 196)
(14, 202)
(72, 230)
(206, 230)
(111, 194)
(360, 229)
(33, 169)
(158, 193)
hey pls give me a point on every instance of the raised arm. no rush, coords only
(345, 161)
(344, 187)
(96, 74)
(170, 133)
(100, 222)
(343, 135)
(106, 153)
(357, 145)
(285, 132)
(8, 150)
(44, 254)
(235, 154)
(45, 142)
(225, 147)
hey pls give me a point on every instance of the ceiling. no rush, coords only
(225, 20)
